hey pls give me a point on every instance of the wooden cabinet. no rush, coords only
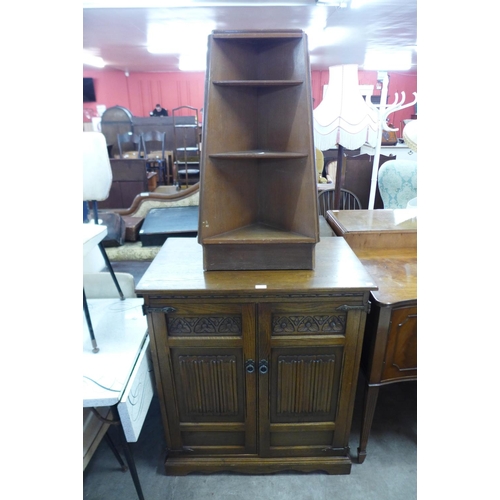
(256, 370)
(258, 206)
(130, 178)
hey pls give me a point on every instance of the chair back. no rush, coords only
(397, 182)
(97, 175)
(129, 138)
(153, 140)
(348, 201)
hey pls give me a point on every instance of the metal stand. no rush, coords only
(95, 349)
(105, 256)
(338, 177)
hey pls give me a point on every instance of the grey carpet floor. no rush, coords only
(388, 473)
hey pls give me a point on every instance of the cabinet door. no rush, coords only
(209, 391)
(308, 365)
(401, 352)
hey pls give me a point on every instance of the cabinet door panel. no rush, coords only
(206, 347)
(401, 352)
(303, 406)
(210, 384)
(305, 384)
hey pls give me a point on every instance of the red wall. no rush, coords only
(139, 92)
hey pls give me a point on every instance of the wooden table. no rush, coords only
(385, 242)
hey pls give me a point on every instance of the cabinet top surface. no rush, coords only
(353, 221)
(178, 267)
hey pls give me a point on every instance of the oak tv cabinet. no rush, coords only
(256, 371)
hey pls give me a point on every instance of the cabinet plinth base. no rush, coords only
(180, 466)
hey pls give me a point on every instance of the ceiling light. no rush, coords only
(193, 61)
(378, 60)
(175, 39)
(332, 3)
(356, 4)
(96, 4)
(328, 36)
(92, 60)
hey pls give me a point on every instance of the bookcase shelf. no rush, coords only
(258, 233)
(258, 83)
(241, 155)
(258, 182)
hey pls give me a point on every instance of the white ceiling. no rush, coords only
(120, 35)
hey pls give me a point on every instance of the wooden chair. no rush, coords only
(126, 139)
(357, 176)
(153, 144)
(348, 201)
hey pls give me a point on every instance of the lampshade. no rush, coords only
(343, 117)
(410, 135)
(97, 175)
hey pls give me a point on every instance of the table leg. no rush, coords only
(129, 457)
(112, 447)
(369, 404)
(131, 465)
(126, 449)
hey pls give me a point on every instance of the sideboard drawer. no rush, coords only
(401, 352)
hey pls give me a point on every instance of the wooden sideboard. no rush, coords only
(256, 370)
(385, 241)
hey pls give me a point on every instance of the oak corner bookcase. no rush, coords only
(258, 203)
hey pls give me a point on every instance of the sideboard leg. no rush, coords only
(369, 404)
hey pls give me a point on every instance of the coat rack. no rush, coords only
(383, 114)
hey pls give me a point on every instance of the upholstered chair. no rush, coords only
(397, 182)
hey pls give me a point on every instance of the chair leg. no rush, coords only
(110, 269)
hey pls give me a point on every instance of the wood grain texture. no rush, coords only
(258, 207)
(178, 271)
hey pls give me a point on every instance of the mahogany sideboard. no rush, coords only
(256, 371)
(385, 241)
